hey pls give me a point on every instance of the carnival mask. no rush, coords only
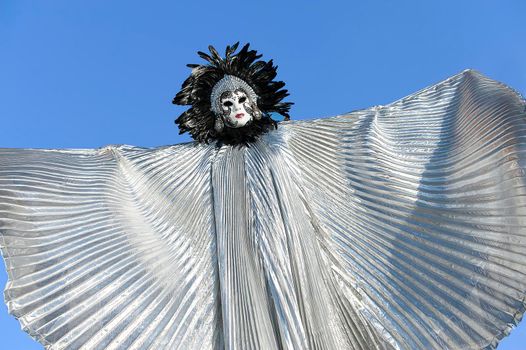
(234, 103)
(232, 99)
(237, 108)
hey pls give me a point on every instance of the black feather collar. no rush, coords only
(196, 90)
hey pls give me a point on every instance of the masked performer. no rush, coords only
(395, 227)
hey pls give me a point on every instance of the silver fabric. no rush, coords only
(396, 227)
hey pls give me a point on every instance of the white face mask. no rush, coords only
(237, 110)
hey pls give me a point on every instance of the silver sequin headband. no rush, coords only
(229, 83)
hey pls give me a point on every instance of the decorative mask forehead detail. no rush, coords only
(229, 83)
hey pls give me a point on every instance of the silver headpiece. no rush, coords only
(229, 83)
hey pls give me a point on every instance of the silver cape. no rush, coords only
(395, 227)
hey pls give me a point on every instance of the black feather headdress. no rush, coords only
(196, 91)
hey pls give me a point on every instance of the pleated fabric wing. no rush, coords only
(111, 248)
(396, 227)
(420, 209)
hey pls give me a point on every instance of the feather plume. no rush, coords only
(195, 92)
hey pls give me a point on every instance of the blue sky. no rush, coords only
(84, 74)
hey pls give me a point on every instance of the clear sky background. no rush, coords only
(84, 74)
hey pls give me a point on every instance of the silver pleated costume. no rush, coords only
(395, 227)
